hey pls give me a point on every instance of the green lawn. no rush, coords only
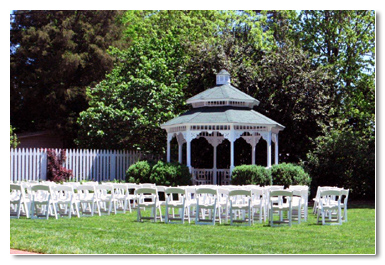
(121, 234)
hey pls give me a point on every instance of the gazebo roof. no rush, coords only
(222, 115)
(224, 92)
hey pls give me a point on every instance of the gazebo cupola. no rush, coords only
(218, 113)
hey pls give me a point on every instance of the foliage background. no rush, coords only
(108, 79)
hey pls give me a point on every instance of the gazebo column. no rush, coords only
(169, 138)
(215, 165)
(181, 140)
(253, 150)
(214, 141)
(188, 153)
(180, 153)
(269, 149)
(231, 155)
(232, 139)
(275, 140)
(253, 141)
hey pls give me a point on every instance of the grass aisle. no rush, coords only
(121, 234)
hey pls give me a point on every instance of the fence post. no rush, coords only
(113, 165)
(43, 164)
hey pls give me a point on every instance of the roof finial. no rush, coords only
(223, 77)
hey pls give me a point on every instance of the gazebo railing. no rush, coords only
(203, 176)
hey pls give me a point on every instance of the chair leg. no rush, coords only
(289, 213)
(138, 214)
(18, 210)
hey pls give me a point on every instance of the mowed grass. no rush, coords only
(122, 234)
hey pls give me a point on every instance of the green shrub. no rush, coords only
(250, 174)
(139, 172)
(289, 174)
(170, 174)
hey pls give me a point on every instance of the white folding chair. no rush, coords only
(329, 203)
(175, 199)
(147, 198)
(42, 205)
(258, 204)
(17, 197)
(222, 202)
(299, 207)
(87, 200)
(105, 198)
(344, 197)
(26, 202)
(132, 199)
(240, 205)
(121, 196)
(277, 204)
(206, 201)
(190, 201)
(317, 196)
(65, 201)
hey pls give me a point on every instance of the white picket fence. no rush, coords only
(98, 165)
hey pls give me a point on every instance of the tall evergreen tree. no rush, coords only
(55, 55)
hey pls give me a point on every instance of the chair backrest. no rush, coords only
(119, 186)
(206, 195)
(300, 192)
(174, 190)
(331, 192)
(16, 187)
(17, 192)
(86, 191)
(190, 192)
(345, 195)
(41, 187)
(140, 191)
(206, 191)
(63, 192)
(242, 192)
(239, 196)
(147, 185)
(278, 193)
(86, 188)
(41, 192)
(330, 195)
(103, 189)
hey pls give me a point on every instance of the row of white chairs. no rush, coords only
(35, 200)
(331, 205)
(207, 203)
(210, 204)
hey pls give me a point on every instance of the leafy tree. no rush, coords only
(14, 141)
(344, 41)
(295, 94)
(344, 155)
(143, 91)
(55, 55)
(344, 158)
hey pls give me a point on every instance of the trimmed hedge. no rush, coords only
(251, 174)
(139, 172)
(281, 174)
(161, 173)
(289, 174)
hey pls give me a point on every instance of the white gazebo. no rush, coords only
(218, 113)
